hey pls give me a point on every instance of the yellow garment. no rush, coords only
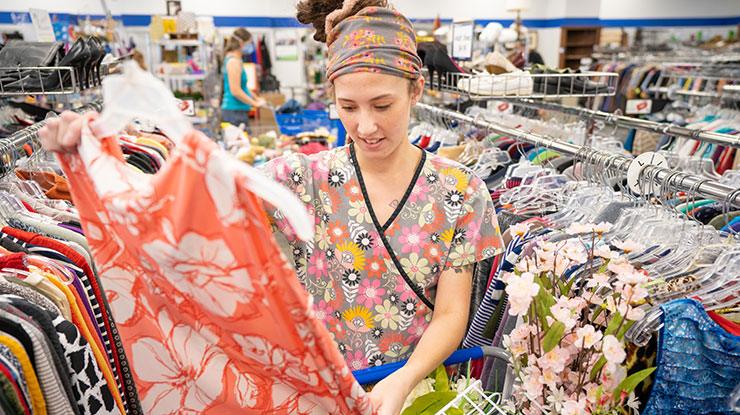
(100, 355)
(34, 389)
(150, 142)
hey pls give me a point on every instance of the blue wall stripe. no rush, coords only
(138, 20)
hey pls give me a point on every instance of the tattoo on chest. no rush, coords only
(393, 204)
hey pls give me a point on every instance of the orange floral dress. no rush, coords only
(210, 315)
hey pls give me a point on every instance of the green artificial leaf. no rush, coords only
(602, 269)
(562, 287)
(553, 336)
(624, 329)
(596, 314)
(599, 392)
(441, 381)
(543, 301)
(630, 383)
(569, 285)
(454, 411)
(597, 368)
(430, 403)
(614, 323)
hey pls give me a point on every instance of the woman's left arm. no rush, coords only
(441, 338)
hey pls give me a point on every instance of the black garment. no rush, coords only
(265, 52)
(535, 58)
(73, 223)
(43, 323)
(12, 246)
(480, 284)
(706, 213)
(16, 330)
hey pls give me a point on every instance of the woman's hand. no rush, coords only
(62, 134)
(260, 102)
(390, 393)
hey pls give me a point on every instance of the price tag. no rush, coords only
(462, 40)
(186, 107)
(500, 107)
(42, 25)
(639, 106)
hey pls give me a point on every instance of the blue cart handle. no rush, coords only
(378, 373)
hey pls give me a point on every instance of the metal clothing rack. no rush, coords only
(699, 186)
(629, 122)
(29, 135)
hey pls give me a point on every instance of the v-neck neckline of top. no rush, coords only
(401, 204)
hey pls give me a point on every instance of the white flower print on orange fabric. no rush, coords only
(204, 269)
(174, 370)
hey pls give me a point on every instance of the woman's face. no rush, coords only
(375, 109)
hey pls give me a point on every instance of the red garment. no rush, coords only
(28, 207)
(14, 261)
(212, 318)
(8, 376)
(726, 160)
(730, 326)
(81, 263)
(424, 143)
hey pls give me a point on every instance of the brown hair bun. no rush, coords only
(314, 12)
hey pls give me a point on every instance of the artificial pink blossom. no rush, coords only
(628, 246)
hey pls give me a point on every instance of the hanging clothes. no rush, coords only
(212, 319)
(698, 363)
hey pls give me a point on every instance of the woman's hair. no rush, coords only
(314, 12)
(240, 34)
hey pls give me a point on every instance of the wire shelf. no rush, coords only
(40, 80)
(719, 82)
(525, 84)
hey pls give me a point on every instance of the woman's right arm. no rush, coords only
(234, 72)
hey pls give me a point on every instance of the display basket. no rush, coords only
(306, 121)
(523, 84)
(473, 400)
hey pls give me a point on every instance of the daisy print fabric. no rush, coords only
(374, 316)
(210, 315)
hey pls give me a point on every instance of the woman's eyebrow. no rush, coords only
(372, 99)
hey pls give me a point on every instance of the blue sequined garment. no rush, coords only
(698, 363)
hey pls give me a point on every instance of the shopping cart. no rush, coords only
(486, 404)
(309, 120)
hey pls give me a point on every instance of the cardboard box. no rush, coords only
(274, 100)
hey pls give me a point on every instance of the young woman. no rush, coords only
(394, 224)
(397, 229)
(237, 100)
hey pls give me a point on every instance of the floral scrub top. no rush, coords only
(446, 219)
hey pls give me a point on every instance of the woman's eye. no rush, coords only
(382, 107)
(348, 108)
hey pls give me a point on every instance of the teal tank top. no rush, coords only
(230, 102)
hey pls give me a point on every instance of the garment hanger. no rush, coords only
(138, 94)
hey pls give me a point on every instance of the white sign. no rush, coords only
(639, 106)
(186, 106)
(500, 107)
(635, 168)
(42, 25)
(462, 40)
(286, 45)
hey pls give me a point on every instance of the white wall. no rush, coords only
(642, 9)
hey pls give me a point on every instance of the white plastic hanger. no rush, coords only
(138, 94)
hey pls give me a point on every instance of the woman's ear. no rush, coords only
(418, 90)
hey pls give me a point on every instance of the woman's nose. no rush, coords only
(366, 126)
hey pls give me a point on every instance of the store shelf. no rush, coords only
(182, 77)
(526, 85)
(174, 43)
(38, 80)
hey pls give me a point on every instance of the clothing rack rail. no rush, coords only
(30, 133)
(629, 122)
(696, 185)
